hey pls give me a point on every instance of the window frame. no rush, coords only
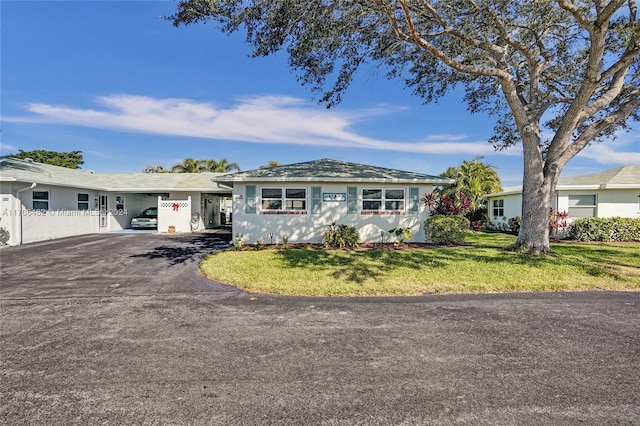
(120, 203)
(82, 203)
(594, 206)
(286, 201)
(497, 207)
(46, 201)
(383, 200)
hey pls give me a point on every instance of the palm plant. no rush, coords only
(474, 179)
(188, 165)
(224, 166)
(209, 165)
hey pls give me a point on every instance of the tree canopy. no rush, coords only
(71, 160)
(192, 165)
(555, 74)
(271, 163)
(157, 168)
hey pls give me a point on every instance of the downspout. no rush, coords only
(33, 185)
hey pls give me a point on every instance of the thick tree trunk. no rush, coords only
(534, 230)
(537, 192)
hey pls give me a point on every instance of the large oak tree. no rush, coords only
(556, 74)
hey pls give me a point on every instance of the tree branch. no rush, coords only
(573, 9)
(598, 127)
(415, 38)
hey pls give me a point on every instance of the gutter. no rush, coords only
(18, 192)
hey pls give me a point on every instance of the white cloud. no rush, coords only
(604, 152)
(4, 148)
(265, 119)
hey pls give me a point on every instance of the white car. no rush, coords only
(148, 219)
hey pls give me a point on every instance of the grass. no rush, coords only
(484, 265)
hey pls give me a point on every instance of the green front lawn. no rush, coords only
(482, 266)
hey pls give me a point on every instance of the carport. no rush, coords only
(44, 202)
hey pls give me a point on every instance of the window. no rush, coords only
(378, 199)
(83, 201)
(40, 200)
(582, 205)
(372, 199)
(120, 202)
(288, 199)
(498, 208)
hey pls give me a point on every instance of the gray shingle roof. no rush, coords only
(324, 170)
(19, 170)
(330, 170)
(625, 176)
(618, 178)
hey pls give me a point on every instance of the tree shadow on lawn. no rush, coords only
(187, 248)
(361, 265)
(600, 260)
(353, 266)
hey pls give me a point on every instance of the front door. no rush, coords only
(103, 209)
(210, 211)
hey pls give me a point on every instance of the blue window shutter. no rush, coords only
(250, 199)
(414, 199)
(352, 199)
(316, 199)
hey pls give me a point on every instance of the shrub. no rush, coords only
(4, 236)
(514, 224)
(446, 230)
(341, 236)
(605, 229)
(401, 233)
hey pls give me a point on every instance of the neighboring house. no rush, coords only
(300, 200)
(610, 193)
(41, 202)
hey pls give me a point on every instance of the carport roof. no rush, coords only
(331, 170)
(24, 171)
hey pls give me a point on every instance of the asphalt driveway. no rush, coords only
(120, 329)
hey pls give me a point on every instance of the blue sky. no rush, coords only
(128, 89)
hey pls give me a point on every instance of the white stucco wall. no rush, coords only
(9, 209)
(610, 202)
(512, 208)
(310, 227)
(62, 219)
(48, 225)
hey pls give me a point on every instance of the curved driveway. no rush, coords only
(120, 329)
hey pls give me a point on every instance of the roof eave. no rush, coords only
(328, 179)
(62, 184)
(620, 186)
(577, 187)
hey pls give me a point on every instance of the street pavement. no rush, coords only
(121, 329)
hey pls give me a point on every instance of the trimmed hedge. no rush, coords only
(446, 230)
(605, 229)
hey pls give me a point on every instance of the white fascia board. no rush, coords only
(621, 186)
(62, 184)
(504, 193)
(576, 187)
(8, 179)
(166, 189)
